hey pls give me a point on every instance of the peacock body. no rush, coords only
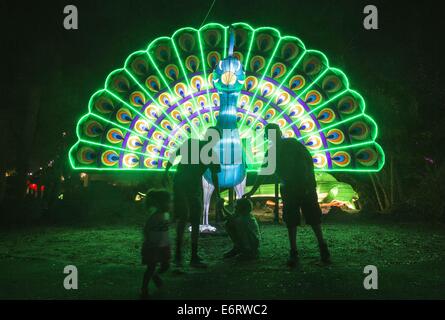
(166, 93)
(228, 79)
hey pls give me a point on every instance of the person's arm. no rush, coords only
(171, 160)
(167, 167)
(258, 180)
(165, 180)
(224, 210)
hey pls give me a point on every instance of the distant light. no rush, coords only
(139, 196)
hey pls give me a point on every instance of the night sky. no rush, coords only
(61, 68)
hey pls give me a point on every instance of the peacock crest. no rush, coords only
(169, 92)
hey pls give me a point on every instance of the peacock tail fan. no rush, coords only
(165, 94)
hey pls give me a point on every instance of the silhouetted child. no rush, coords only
(243, 229)
(156, 246)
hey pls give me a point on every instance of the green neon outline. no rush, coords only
(362, 106)
(247, 26)
(308, 87)
(116, 124)
(116, 97)
(204, 70)
(167, 39)
(186, 80)
(162, 76)
(266, 70)
(122, 101)
(178, 56)
(88, 142)
(204, 60)
(362, 103)
(347, 89)
(154, 102)
(288, 74)
(91, 112)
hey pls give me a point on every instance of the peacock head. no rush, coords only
(229, 75)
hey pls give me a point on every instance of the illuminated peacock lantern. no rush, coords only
(179, 86)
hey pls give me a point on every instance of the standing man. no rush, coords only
(187, 194)
(295, 170)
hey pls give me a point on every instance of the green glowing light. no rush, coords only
(158, 138)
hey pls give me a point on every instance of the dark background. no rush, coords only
(63, 68)
(51, 72)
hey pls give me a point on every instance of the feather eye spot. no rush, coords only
(341, 158)
(359, 131)
(109, 158)
(153, 83)
(192, 63)
(257, 63)
(172, 72)
(297, 82)
(367, 157)
(312, 66)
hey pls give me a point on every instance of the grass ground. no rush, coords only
(410, 260)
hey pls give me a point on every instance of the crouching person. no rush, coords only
(242, 228)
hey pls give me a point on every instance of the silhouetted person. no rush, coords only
(243, 230)
(188, 198)
(156, 247)
(295, 170)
